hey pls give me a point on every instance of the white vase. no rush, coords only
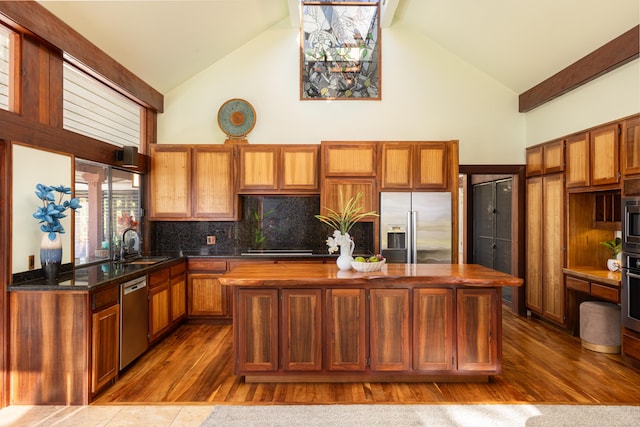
(613, 264)
(346, 255)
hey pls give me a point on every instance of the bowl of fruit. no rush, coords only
(373, 263)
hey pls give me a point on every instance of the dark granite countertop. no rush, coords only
(92, 277)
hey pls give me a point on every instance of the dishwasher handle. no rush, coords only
(133, 286)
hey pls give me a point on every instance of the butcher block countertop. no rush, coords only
(316, 274)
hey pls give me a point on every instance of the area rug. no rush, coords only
(425, 415)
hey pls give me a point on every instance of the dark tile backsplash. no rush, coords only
(268, 222)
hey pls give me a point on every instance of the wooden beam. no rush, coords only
(36, 19)
(612, 55)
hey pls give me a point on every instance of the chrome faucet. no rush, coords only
(127, 247)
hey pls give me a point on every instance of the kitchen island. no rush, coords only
(315, 323)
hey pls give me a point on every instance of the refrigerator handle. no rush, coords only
(414, 238)
(409, 237)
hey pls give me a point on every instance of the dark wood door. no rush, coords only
(389, 330)
(346, 310)
(257, 324)
(433, 329)
(301, 335)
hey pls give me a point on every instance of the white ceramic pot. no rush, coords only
(613, 264)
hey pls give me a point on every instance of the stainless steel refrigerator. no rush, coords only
(415, 227)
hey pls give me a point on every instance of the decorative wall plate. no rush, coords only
(236, 118)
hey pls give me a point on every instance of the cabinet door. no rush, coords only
(332, 188)
(346, 326)
(389, 330)
(301, 336)
(478, 318)
(534, 161)
(258, 168)
(159, 303)
(553, 254)
(578, 161)
(214, 191)
(257, 324)
(553, 157)
(431, 166)
(349, 158)
(299, 168)
(631, 146)
(396, 171)
(105, 346)
(206, 296)
(605, 155)
(178, 293)
(170, 181)
(433, 329)
(533, 285)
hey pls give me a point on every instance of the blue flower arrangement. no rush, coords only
(50, 213)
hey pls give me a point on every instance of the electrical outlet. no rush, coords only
(211, 240)
(32, 262)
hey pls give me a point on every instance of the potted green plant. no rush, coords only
(615, 246)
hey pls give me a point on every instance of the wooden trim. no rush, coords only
(617, 52)
(14, 127)
(5, 268)
(38, 20)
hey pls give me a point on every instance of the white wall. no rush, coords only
(427, 94)
(32, 167)
(610, 97)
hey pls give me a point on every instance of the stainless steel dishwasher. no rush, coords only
(134, 309)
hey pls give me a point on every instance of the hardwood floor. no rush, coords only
(540, 365)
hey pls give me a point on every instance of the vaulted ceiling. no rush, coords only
(517, 42)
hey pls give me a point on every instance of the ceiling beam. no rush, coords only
(612, 55)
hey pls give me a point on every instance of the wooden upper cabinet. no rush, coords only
(413, 165)
(332, 188)
(534, 160)
(545, 158)
(605, 155)
(299, 168)
(258, 167)
(349, 159)
(278, 168)
(431, 165)
(593, 158)
(631, 146)
(193, 182)
(214, 195)
(553, 157)
(170, 181)
(578, 157)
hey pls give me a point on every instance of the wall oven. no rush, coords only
(630, 296)
(631, 224)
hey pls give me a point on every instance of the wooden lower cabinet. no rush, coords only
(346, 327)
(433, 330)
(478, 317)
(178, 286)
(258, 327)
(105, 345)
(301, 344)
(206, 297)
(389, 330)
(159, 303)
(386, 334)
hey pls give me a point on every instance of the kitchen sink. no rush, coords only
(146, 260)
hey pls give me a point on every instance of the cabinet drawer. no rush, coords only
(605, 292)
(577, 284)
(178, 269)
(207, 265)
(159, 277)
(105, 298)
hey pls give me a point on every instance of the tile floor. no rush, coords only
(105, 416)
